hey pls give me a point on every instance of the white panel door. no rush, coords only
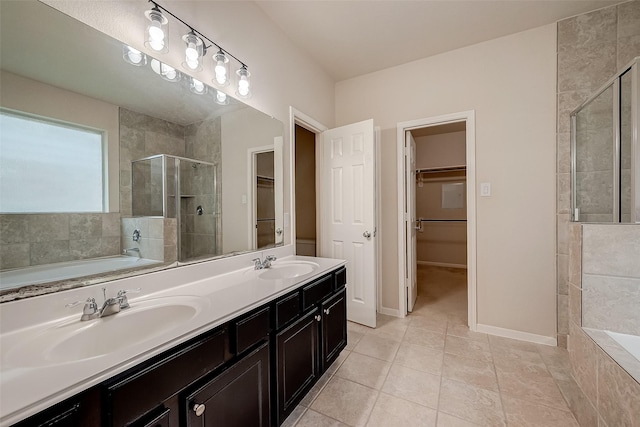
(411, 222)
(348, 213)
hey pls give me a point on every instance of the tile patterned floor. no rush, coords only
(430, 370)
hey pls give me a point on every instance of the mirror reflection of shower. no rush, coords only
(184, 189)
(265, 214)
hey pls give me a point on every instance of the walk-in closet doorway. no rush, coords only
(437, 230)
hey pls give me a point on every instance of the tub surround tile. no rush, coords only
(611, 347)
(14, 255)
(111, 225)
(14, 228)
(611, 250)
(580, 406)
(575, 254)
(618, 394)
(85, 226)
(575, 305)
(48, 227)
(611, 303)
(584, 361)
(49, 252)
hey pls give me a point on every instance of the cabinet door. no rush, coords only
(297, 362)
(334, 328)
(238, 397)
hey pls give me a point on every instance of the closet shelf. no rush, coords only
(458, 168)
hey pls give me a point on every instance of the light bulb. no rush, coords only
(169, 72)
(198, 87)
(221, 97)
(243, 82)
(156, 30)
(243, 86)
(221, 67)
(193, 64)
(193, 51)
(133, 56)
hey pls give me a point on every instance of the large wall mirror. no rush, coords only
(110, 165)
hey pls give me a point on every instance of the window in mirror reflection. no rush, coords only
(49, 166)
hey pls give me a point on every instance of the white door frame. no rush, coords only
(299, 118)
(469, 118)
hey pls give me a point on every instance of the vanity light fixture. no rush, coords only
(165, 71)
(221, 98)
(157, 39)
(193, 52)
(197, 87)
(244, 82)
(221, 69)
(133, 56)
(157, 30)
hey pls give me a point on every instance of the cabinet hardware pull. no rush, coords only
(318, 317)
(326, 311)
(199, 409)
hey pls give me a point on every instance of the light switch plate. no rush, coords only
(485, 189)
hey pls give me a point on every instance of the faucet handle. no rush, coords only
(90, 309)
(122, 297)
(257, 263)
(270, 258)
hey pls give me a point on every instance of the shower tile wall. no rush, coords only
(158, 237)
(36, 239)
(599, 391)
(592, 47)
(202, 234)
(143, 136)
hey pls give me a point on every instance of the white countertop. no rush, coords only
(29, 386)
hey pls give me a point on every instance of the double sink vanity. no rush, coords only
(195, 347)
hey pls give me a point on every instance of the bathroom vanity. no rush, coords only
(237, 349)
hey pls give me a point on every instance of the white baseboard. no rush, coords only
(389, 311)
(442, 264)
(517, 335)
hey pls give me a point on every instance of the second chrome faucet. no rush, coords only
(266, 263)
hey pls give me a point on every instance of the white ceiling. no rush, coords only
(351, 38)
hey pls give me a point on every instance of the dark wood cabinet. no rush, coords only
(334, 327)
(238, 397)
(306, 348)
(296, 362)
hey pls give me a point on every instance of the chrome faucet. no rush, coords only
(259, 264)
(129, 250)
(110, 306)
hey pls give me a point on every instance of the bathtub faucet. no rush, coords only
(129, 250)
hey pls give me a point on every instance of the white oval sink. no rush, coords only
(76, 340)
(287, 270)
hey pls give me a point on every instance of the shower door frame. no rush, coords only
(632, 67)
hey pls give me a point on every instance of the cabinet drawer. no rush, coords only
(130, 397)
(251, 329)
(287, 309)
(340, 278)
(316, 291)
(158, 418)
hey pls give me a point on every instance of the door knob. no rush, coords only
(366, 235)
(199, 409)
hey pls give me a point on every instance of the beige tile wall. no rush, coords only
(599, 392)
(158, 239)
(36, 239)
(591, 48)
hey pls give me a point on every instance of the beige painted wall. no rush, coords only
(281, 74)
(510, 83)
(30, 96)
